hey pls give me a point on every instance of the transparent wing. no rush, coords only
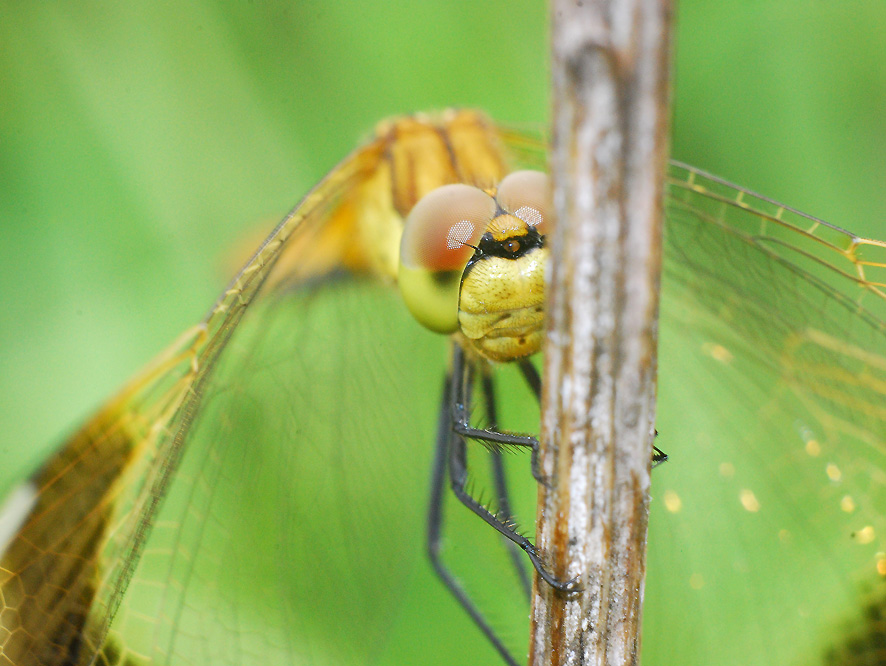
(289, 534)
(296, 522)
(259, 495)
(66, 573)
(767, 534)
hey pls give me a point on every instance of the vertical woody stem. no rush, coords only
(610, 76)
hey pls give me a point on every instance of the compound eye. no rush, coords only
(439, 237)
(527, 196)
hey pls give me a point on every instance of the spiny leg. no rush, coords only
(491, 437)
(451, 445)
(658, 456)
(435, 524)
(531, 376)
(533, 381)
(499, 478)
(462, 376)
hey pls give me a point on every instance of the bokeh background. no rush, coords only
(140, 143)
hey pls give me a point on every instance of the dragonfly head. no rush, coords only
(472, 262)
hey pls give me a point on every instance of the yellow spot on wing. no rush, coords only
(865, 535)
(749, 500)
(833, 472)
(672, 501)
(717, 352)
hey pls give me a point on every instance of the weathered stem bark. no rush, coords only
(610, 75)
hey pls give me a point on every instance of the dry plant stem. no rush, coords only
(610, 75)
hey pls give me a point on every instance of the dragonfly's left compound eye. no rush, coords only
(439, 237)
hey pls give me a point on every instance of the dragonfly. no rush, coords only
(245, 498)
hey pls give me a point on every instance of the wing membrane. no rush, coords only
(206, 579)
(768, 529)
(282, 540)
(97, 498)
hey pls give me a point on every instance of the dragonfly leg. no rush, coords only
(462, 374)
(458, 475)
(499, 478)
(658, 456)
(491, 437)
(496, 440)
(533, 380)
(435, 528)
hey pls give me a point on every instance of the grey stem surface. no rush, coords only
(611, 92)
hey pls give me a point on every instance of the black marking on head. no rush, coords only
(489, 247)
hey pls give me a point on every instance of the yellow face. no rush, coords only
(501, 306)
(472, 262)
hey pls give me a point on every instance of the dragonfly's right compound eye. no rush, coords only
(527, 196)
(439, 237)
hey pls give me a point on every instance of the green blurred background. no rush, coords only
(140, 142)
